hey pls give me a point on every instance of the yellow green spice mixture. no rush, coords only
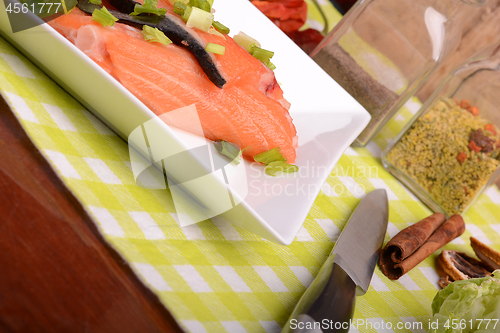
(451, 152)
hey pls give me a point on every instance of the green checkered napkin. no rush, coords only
(215, 277)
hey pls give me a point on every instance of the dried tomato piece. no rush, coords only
(490, 128)
(462, 157)
(481, 140)
(464, 104)
(473, 147)
(474, 110)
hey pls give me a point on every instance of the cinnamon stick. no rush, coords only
(408, 240)
(412, 245)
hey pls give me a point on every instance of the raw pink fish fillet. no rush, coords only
(249, 110)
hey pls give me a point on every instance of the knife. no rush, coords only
(328, 303)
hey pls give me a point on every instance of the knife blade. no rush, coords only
(328, 303)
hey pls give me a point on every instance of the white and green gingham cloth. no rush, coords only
(215, 277)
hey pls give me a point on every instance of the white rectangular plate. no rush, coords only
(327, 118)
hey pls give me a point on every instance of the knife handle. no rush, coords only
(328, 304)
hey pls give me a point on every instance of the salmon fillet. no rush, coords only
(249, 110)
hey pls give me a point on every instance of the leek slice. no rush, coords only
(229, 150)
(200, 19)
(275, 162)
(215, 48)
(154, 35)
(277, 167)
(272, 155)
(262, 54)
(104, 17)
(245, 41)
(179, 8)
(202, 4)
(220, 27)
(149, 7)
(187, 13)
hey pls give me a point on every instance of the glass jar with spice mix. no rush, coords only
(382, 50)
(450, 151)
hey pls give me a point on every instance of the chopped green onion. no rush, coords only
(179, 8)
(154, 35)
(96, 2)
(214, 31)
(272, 155)
(200, 19)
(211, 2)
(261, 54)
(220, 27)
(187, 13)
(257, 51)
(245, 41)
(215, 48)
(274, 168)
(149, 7)
(104, 17)
(202, 4)
(271, 66)
(275, 162)
(229, 150)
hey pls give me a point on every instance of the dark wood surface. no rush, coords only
(56, 272)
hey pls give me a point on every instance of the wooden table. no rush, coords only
(57, 273)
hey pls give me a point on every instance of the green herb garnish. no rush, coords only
(179, 8)
(215, 48)
(187, 13)
(274, 168)
(271, 66)
(202, 4)
(245, 41)
(229, 150)
(199, 19)
(154, 35)
(272, 155)
(96, 2)
(275, 162)
(220, 28)
(261, 54)
(149, 7)
(104, 17)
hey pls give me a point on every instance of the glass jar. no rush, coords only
(450, 151)
(382, 50)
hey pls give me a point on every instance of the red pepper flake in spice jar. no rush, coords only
(448, 154)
